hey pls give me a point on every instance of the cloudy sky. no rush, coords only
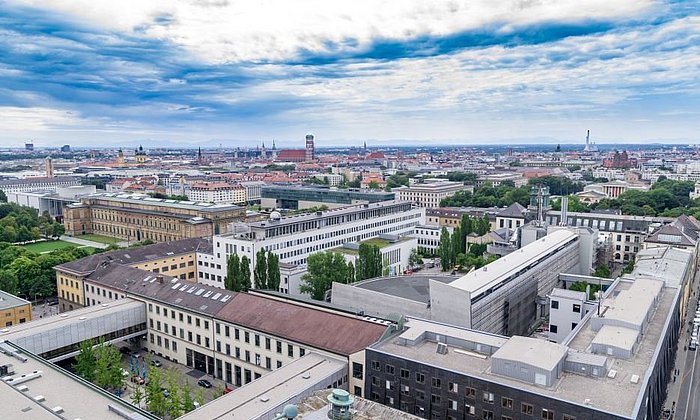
(205, 72)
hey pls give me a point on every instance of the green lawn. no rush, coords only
(99, 238)
(47, 246)
(378, 242)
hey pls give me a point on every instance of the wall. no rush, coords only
(376, 304)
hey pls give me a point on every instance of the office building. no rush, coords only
(614, 365)
(14, 310)
(451, 217)
(505, 297)
(294, 238)
(253, 190)
(136, 217)
(51, 201)
(296, 197)
(38, 183)
(427, 195)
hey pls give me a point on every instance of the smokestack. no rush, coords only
(588, 136)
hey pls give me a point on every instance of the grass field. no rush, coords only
(47, 246)
(99, 238)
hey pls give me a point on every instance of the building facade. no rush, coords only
(217, 192)
(14, 310)
(39, 183)
(295, 197)
(137, 217)
(427, 195)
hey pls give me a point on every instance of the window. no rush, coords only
(290, 350)
(227, 331)
(452, 404)
(267, 343)
(189, 319)
(356, 370)
(436, 382)
(257, 340)
(376, 365)
(279, 364)
(180, 316)
(375, 381)
(420, 378)
(488, 397)
(555, 304)
(302, 352)
(268, 363)
(577, 308)
(568, 417)
(405, 374)
(279, 347)
(470, 409)
(228, 349)
(573, 325)
(470, 393)
(420, 395)
(236, 334)
(218, 328)
(553, 329)
(507, 403)
(246, 336)
(452, 387)
(547, 414)
(390, 369)
(196, 322)
(390, 385)
(506, 418)
(435, 399)
(526, 409)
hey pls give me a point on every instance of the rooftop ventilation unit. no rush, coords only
(441, 348)
(57, 410)
(612, 374)
(634, 379)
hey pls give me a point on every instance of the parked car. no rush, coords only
(204, 383)
(138, 380)
(693, 345)
(156, 363)
(124, 350)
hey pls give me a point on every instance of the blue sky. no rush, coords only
(209, 72)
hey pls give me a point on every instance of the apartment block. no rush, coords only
(427, 195)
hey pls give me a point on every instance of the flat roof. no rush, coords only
(55, 387)
(532, 351)
(257, 398)
(146, 199)
(8, 301)
(479, 281)
(663, 263)
(414, 287)
(621, 337)
(568, 294)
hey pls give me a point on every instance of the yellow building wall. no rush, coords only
(70, 291)
(175, 266)
(17, 315)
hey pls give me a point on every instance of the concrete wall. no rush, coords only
(450, 305)
(376, 304)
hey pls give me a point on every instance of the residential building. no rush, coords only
(217, 192)
(14, 310)
(136, 217)
(38, 183)
(428, 237)
(512, 217)
(566, 310)
(625, 234)
(177, 259)
(331, 179)
(427, 195)
(296, 197)
(497, 179)
(253, 190)
(452, 216)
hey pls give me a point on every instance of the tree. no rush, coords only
(108, 371)
(351, 273)
(233, 270)
(175, 408)
(244, 275)
(373, 185)
(414, 259)
(444, 249)
(8, 281)
(273, 271)
(155, 400)
(457, 247)
(85, 361)
(602, 271)
(187, 401)
(369, 261)
(323, 268)
(3, 197)
(137, 394)
(260, 270)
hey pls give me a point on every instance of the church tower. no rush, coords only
(309, 155)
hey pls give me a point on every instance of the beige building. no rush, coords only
(217, 192)
(427, 195)
(136, 217)
(176, 259)
(13, 310)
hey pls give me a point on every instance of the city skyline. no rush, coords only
(188, 74)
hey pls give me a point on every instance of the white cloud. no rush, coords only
(276, 30)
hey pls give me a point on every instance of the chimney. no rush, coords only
(159, 277)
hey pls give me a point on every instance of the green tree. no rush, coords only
(457, 247)
(8, 281)
(108, 371)
(155, 400)
(187, 400)
(260, 270)
(175, 403)
(3, 197)
(323, 268)
(273, 271)
(244, 275)
(85, 361)
(373, 185)
(137, 394)
(233, 272)
(445, 249)
(351, 273)
(602, 271)
(414, 259)
(369, 261)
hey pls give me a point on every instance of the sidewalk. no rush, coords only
(83, 242)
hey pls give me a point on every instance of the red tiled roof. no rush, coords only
(316, 328)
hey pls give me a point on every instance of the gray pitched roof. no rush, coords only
(514, 210)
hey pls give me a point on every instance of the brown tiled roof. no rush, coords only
(316, 328)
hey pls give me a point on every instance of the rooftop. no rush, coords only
(305, 325)
(52, 389)
(160, 202)
(8, 301)
(532, 351)
(414, 287)
(479, 281)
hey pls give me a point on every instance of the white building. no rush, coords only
(394, 250)
(428, 194)
(566, 310)
(333, 179)
(217, 192)
(39, 183)
(253, 189)
(294, 238)
(428, 237)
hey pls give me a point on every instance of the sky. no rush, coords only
(189, 73)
